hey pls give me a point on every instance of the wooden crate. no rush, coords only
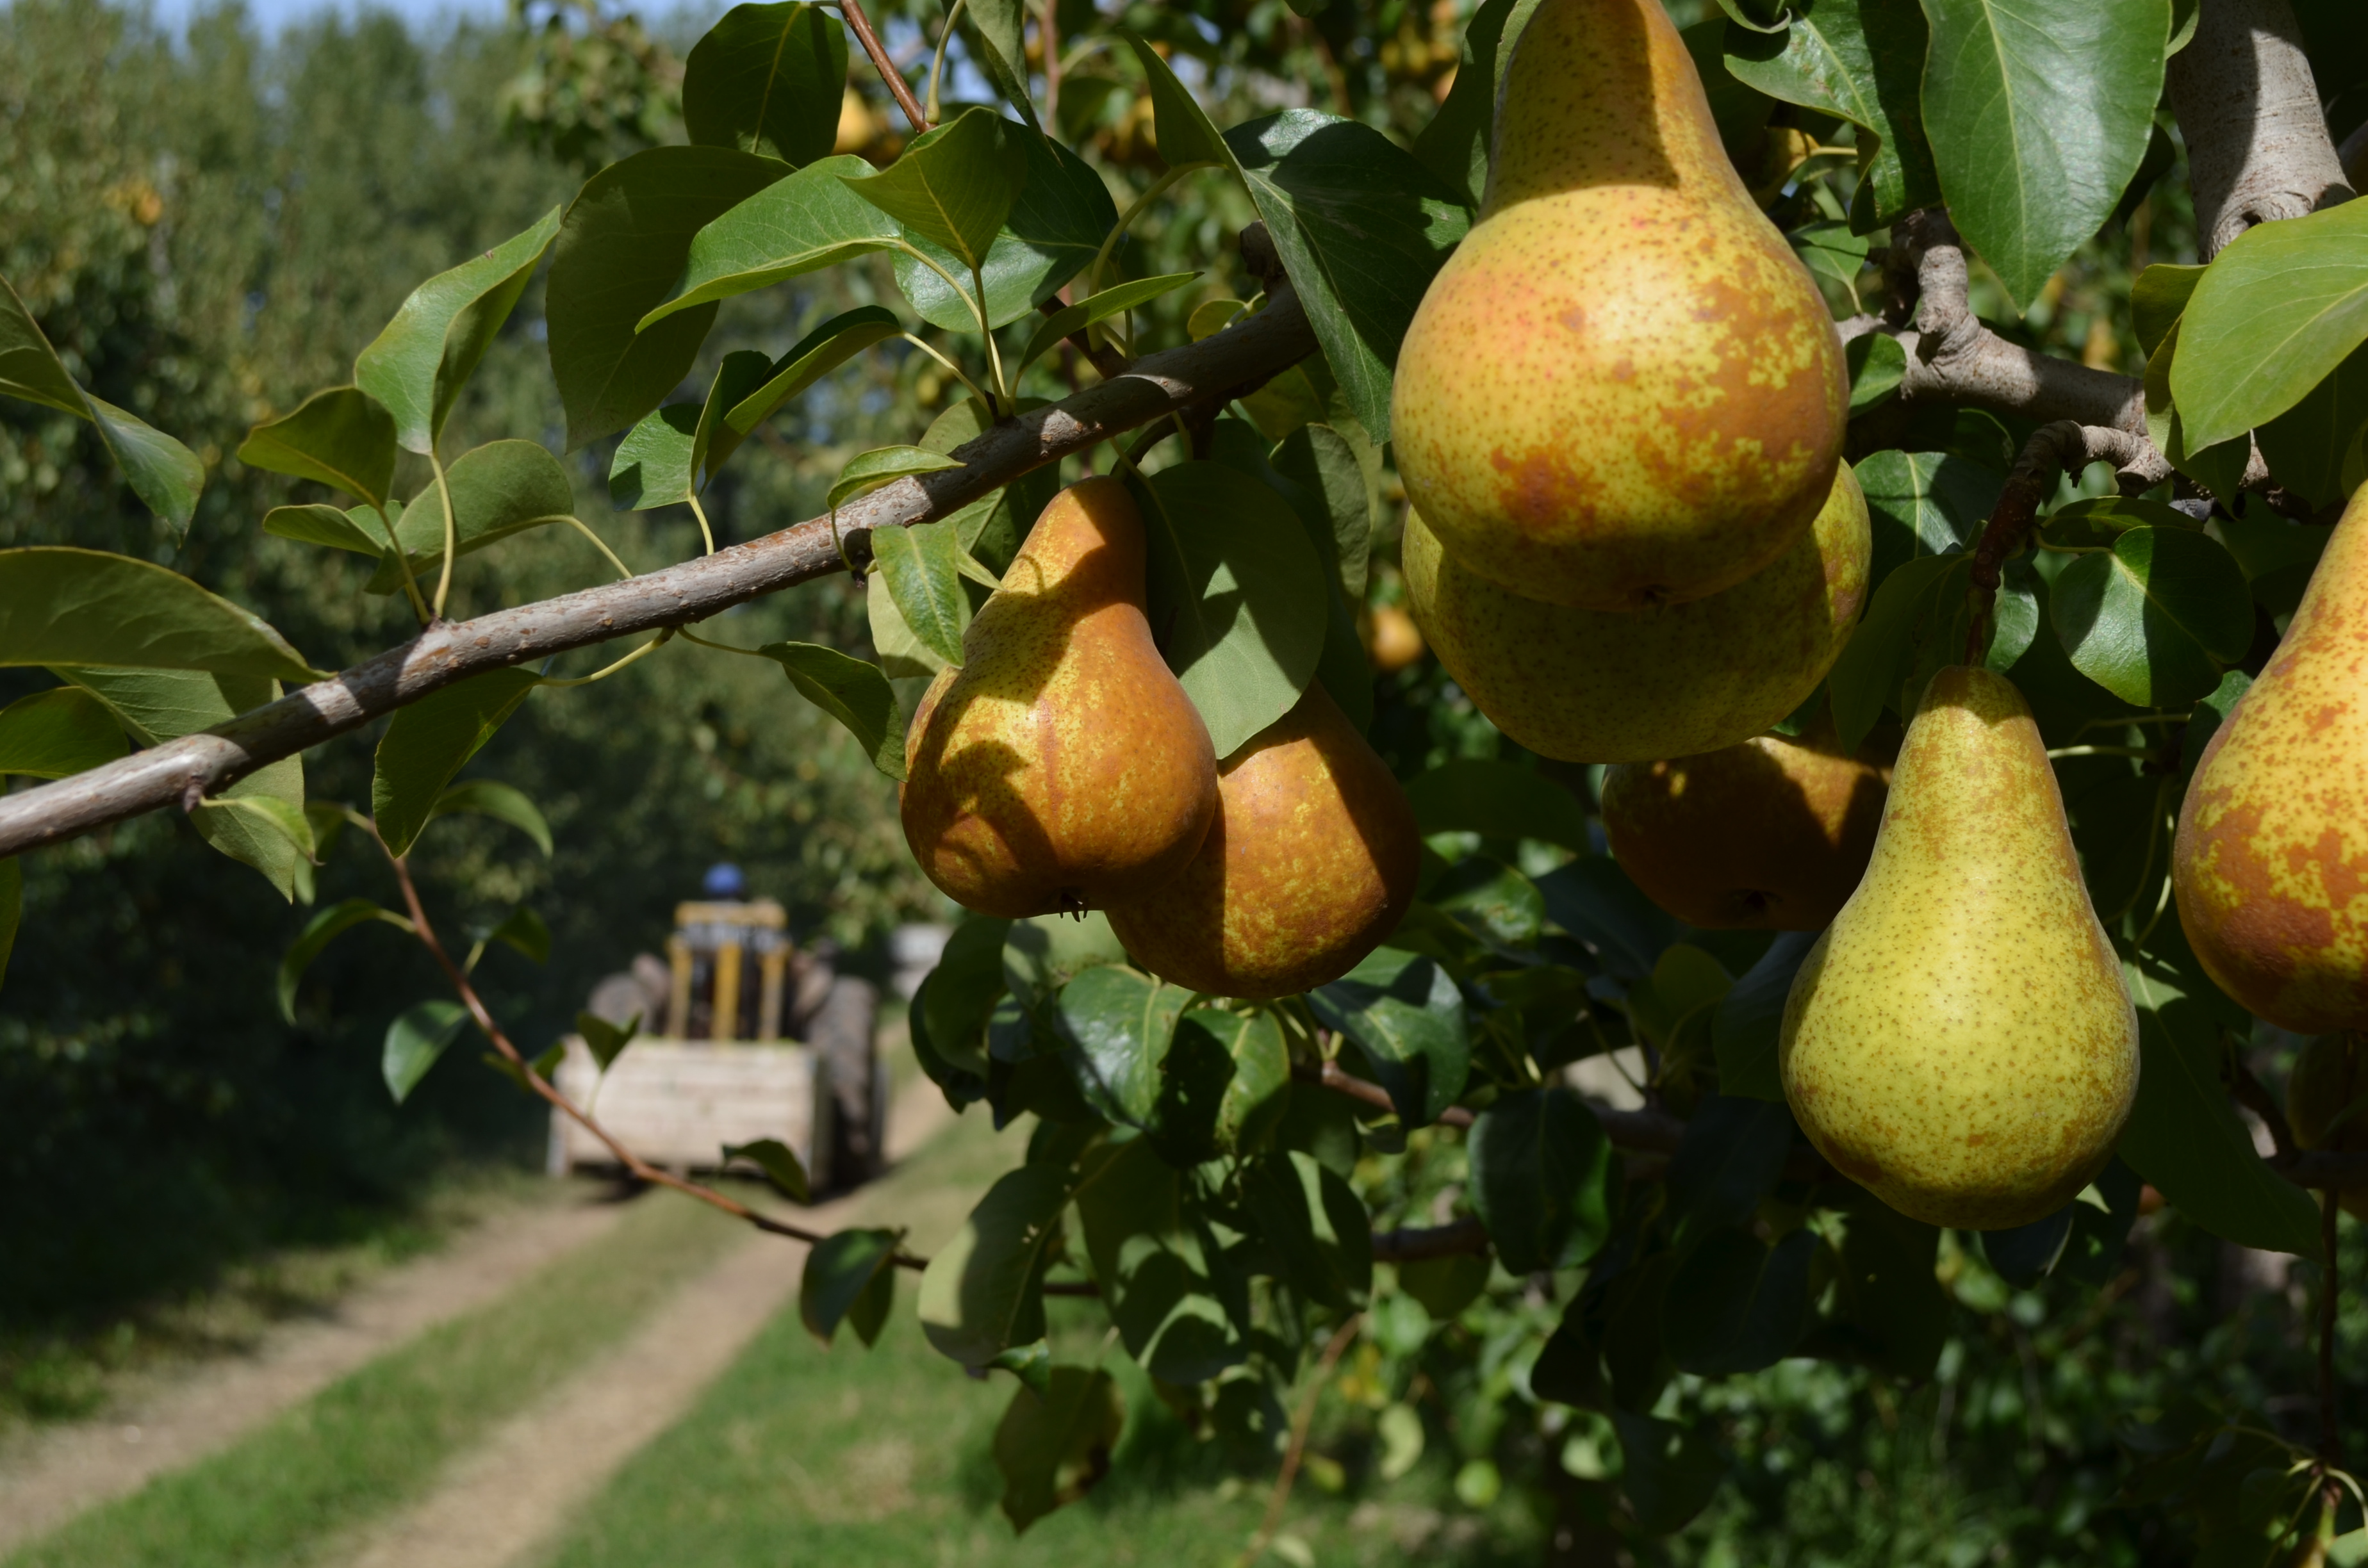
(676, 1103)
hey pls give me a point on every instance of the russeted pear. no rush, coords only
(1060, 767)
(1623, 389)
(2270, 864)
(2327, 1102)
(1959, 1042)
(1312, 862)
(1772, 834)
(1591, 685)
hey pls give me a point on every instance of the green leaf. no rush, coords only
(855, 693)
(1094, 308)
(342, 437)
(958, 1068)
(1498, 800)
(1051, 1449)
(1894, 1314)
(993, 526)
(418, 365)
(1237, 590)
(1593, 900)
(800, 224)
(815, 356)
(1737, 1304)
(1750, 1016)
(164, 474)
(1055, 230)
(1181, 127)
(2306, 445)
(326, 525)
(62, 605)
(498, 489)
(2154, 621)
(1319, 473)
(1732, 1154)
(983, 1291)
(2039, 114)
(1257, 1092)
(622, 249)
(416, 1038)
(652, 466)
(605, 1041)
(52, 735)
(1860, 60)
(1152, 1264)
(319, 932)
(12, 907)
(868, 472)
(2158, 297)
(850, 1277)
(1444, 1286)
(2277, 556)
(1314, 1225)
(271, 813)
(1362, 227)
(713, 439)
(1542, 1179)
(429, 741)
(523, 932)
(488, 798)
(1669, 1472)
(1042, 954)
(767, 79)
(1917, 604)
(778, 1161)
(1491, 900)
(1876, 364)
(1923, 503)
(1405, 1012)
(2271, 318)
(2185, 1136)
(1831, 251)
(955, 183)
(960, 994)
(1454, 146)
(1119, 1024)
(994, 39)
(923, 566)
(158, 705)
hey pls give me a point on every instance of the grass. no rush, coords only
(800, 1457)
(380, 1435)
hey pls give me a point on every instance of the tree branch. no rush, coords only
(1458, 1238)
(2258, 148)
(890, 78)
(185, 771)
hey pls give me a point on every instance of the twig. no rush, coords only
(2330, 1431)
(2257, 1099)
(1106, 359)
(890, 78)
(1341, 1339)
(2064, 445)
(1456, 1239)
(200, 765)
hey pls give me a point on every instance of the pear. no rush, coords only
(1312, 862)
(1590, 686)
(2327, 1102)
(1772, 834)
(1959, 1042)
(1623, 389)
(2270, 864)
(1060, 766)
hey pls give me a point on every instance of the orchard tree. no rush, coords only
(1814, 529)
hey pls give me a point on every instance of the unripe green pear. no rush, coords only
(1959, 1040)
(1312, 863)
(2270, 864)
(1060, 767)
(1593, 686)
(1623, 389)
(1768, 835)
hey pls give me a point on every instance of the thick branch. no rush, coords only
(184, 772)
(1953, 358)
(2257, 143)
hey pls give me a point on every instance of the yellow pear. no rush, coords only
(1593, 686)
(2271, 865)
(1060, 766)
(1959, 1042)
(1772, 834)
(1623, 389)
(1312, 862)
(2327, 1102)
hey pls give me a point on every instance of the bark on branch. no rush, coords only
(2257, 143)
(185, 771)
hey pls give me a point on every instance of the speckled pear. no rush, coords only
(1591, 685)
(1959, 1042)
(1060, 767)
(1312, 863)
(1623, 389)
(1772, 834)
(2270, 864)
